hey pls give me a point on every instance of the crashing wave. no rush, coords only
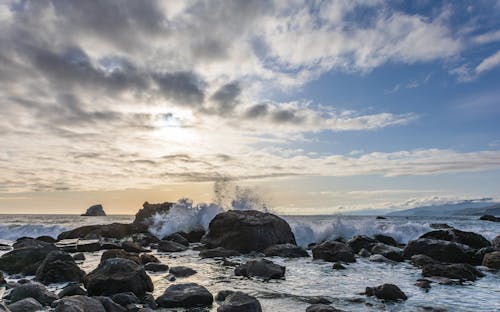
(14, 231)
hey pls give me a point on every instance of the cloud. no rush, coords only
(489, 63)
(488, 37)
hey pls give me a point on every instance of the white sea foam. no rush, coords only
(14, 231)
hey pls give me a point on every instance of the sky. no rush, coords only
(316, 106)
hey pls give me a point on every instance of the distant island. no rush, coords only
(94, 211)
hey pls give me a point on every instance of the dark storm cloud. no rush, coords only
(226, 98)
(287, 116)
(256, 111)
(182, 87)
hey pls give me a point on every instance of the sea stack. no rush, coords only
(95, 211)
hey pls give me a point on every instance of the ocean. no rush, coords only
(306, 281)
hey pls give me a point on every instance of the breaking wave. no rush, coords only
(14, 231)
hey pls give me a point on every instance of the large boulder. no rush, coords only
(118, 275)
(247, 231)
(113, 230)
(170, 246)
(462, 271)
(389, 292)
(29, 242)
(72, 290)
(24, 260)
(31, 290)
(286, 251)
(188, 295)
(182, 271)
(240, 302)
(25, 305)
(359, 242)
(492, 260)
(390, 252)
(265, 269)
(119, 253)
(219, 252)
(385, 239)
(94, 211)
(333, 251)
(471, 239)
(178, 238)
(79, 304)
(59, 267)
(489, 218)
(439, 250)
(143, 218)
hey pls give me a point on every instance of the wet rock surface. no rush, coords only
(187, 295)
(333, 251)
(265, 269)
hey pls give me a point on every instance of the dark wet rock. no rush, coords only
(5, 247)
(79, 257)
(170, 246)
(380, 218)
(25, 305)
(364, 253)
(182, 271)
(155, 267)
(390, 252)
(144, 239)
(333, 251)
(149, 301)
(110, 246)
(470, 239)
(421, 260)
(109, 305)
(170, 277)
(25, 260)
(492, 260)
(456, 271)
(439, 250)
(125, 299)
(113, 230)
(29, 242)
(143, 217)
(479, 254)
(79, 304)
(389, 292)
(247, 231)
(240, 302)
(381, 258)
(489, 218)
(2, 279)
(178, 238)
(423, 283)
(219, 252)
(440, 226)
(194, 236)
(85, 245)
(185, 296)
(265, 269)
(94, 211)
(133, 247)
(221, 295)
(148, 258)
(226, 262)
(338, 266)
(431, 309)
(31, 290)
(59, 267)
(286, 251)
(359, 242)
(385, 239)
(118, 275)
(72, 290)
(322, 308)
(119, 253)
(496, 242)
(47, 239)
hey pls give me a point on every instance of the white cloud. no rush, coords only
(488, 37)
(488, 63)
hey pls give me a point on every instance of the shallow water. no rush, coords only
(306, 280)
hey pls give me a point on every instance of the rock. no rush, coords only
(31, 290)
(286, 251)
(149, 301)
(79, 304)
(221, 295)
(194, 236)
(185, 296)
(118, 275)
(25, 305)
(72, 290)
(385, 239)
(440, 226)
(118, 253)
(47, 239)
(109, 305)
(489, 218)
(423, 283)
(3, 307)
(94, 211)
(88, 245)
(389, 292)
(322, 308)
(144, 239)
(182, 271)
(24, 260)
(125, 299)
(178, 238)
(421, 260)
(390, 252)
(380, 218)
(333, 251)
(79, 257)
(110, 245)
(359, 242)
(439, 250)
(170, 278)
(29, 242)
(143, 217)
(219, 252)
(240, 302)
(364, 253)
(2, 279)
(148, 258)
(381, 258)
(338, 266)
(59, 267)
(265, 269)
(247, 231)
(471, 239)
(133, 247)
(496, 242)
(492, 260)
(170, 246)
(113, 230)
(456, 271)
(156, 267)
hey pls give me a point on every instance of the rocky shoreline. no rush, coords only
(122, 282)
